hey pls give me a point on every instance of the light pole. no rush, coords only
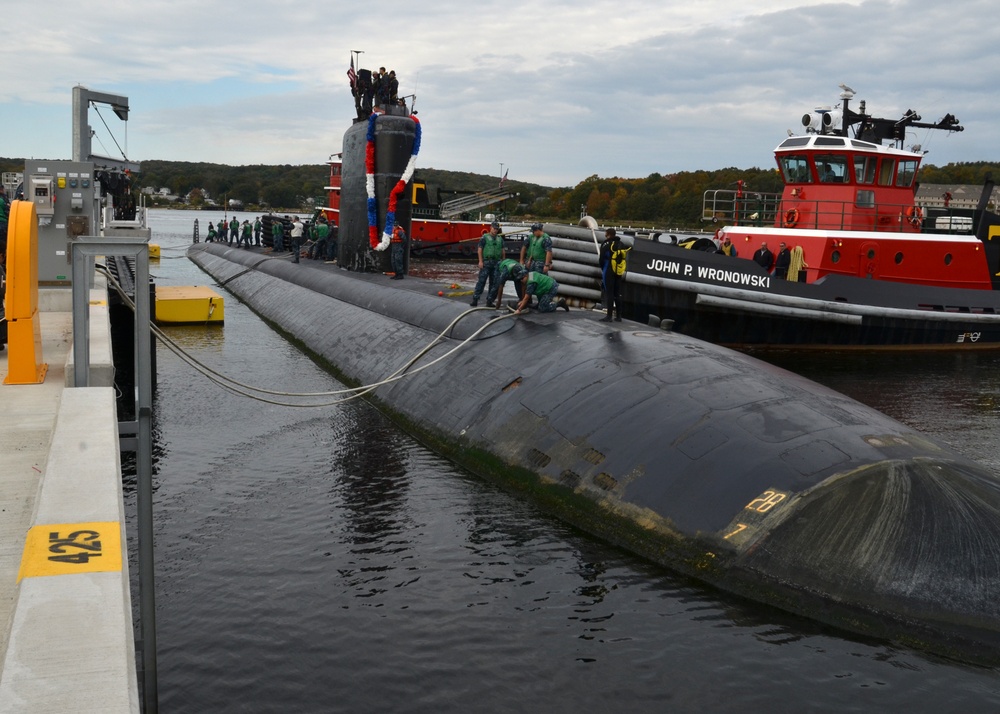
(503, 206)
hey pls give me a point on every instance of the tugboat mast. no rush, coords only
(870, 128)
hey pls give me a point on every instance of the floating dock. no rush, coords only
(189, 305)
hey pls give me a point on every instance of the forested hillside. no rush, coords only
(282, 186)
(663, 200)
(675, 200)
(972, 173)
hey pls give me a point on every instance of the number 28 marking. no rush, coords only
(766, 501)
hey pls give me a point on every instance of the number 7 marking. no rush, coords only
(740, 527)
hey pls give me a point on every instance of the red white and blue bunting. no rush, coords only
(397, 190)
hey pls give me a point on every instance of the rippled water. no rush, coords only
(322, 560)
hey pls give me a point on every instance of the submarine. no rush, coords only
(710, 462)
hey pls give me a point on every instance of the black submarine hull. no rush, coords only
(706, 460)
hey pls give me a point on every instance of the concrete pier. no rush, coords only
(67, 642)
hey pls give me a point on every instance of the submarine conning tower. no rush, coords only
(382, 148)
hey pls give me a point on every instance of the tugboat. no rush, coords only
(444, 227)
(440, 229)
(865, 264)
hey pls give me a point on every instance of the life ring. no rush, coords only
(791, 217)
(915, 215)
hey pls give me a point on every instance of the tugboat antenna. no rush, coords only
(877, 130)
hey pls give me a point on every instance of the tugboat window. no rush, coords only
(865, 199)
(796, 169)
(835, 256)
(907, 171)
(899, 258)
(864, 169)
(886, 171)
(947, 259)
(831, 168)
(871, 253)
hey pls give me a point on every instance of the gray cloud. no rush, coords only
(554, 90)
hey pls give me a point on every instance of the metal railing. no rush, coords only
(767, 209)
(458, 206)
(744, 208)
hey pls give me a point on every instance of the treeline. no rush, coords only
(663, 200)
(972, 173)
(291, 186)
(673, 200)
(676, 199)
(283, 186)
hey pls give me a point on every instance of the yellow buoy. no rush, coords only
(188, 305)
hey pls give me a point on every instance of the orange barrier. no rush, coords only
(24, 334)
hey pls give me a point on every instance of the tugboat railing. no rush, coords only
(744, 208)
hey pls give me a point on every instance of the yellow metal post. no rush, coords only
(24, 334)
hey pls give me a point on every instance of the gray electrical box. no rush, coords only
(66, 199)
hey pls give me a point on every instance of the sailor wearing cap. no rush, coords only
(536, 252)
(490, 254)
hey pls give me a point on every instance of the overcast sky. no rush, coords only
(554, 90)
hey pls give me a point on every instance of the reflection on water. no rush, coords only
(371, 475)
(324, 561)
(206, 338)
(952, 396)
(447, 272)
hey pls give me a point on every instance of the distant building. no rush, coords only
(965, 196)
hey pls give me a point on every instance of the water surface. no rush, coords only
(322, 560)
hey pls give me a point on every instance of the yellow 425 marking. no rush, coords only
(766, 501)
(70, 548)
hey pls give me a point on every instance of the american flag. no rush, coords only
(504, 178)
(352, 75)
